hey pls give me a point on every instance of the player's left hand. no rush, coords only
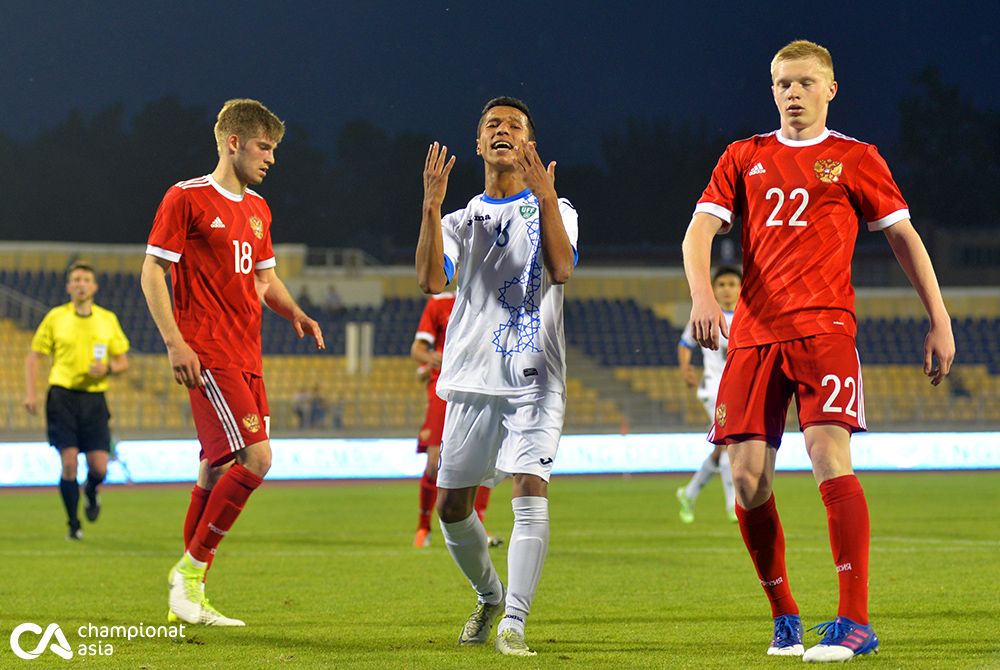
(303, 324)
(540, 180)
(939, 345)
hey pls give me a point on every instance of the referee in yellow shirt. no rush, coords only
(87, 346)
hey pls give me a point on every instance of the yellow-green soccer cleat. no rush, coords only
(477, 629)
(686, 511)
(511, 643)
(186, 593)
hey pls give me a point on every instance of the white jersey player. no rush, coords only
(503, 372)
(726, 286)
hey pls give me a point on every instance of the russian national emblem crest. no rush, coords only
(257, 226)
(251, 422)
(828, 170)
(720, 415)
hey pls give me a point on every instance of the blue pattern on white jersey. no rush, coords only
(524, 316)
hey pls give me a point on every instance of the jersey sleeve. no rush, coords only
(42, 341)
(451, 234)
(687, 337)
(571, 224)
(265, 255)
(170, 227)
(877, 195)
(119, 343)
(719, 197)
(426, 328)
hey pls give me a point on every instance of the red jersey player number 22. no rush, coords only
(799, 201)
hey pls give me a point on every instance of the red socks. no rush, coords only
(428, 496)
(762, 534)
(482, 500)
(850, 534)
(199, 497)
(225, 502)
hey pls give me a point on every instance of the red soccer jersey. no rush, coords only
(434, 323)
(215, 239)
(800, 202)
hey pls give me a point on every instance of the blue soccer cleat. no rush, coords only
(842, 640)
(787, 640)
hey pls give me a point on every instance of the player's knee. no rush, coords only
(69, 470)
(256, 458)
(453, 506)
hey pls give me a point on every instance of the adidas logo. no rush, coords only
(219, 224)
(756, 169)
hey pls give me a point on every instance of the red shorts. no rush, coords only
(823, 372)
(430, 432)
(230, 411)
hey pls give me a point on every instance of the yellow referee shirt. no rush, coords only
(76, 342)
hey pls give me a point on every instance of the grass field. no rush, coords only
(325, 577)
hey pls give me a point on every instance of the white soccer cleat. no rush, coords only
(511, 643)
(186, 594)
(213, 617)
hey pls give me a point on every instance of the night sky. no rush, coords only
(584, 67)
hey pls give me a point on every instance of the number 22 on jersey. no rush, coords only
(779, 195)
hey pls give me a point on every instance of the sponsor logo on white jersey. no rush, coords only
(217, 223)
(756, 169)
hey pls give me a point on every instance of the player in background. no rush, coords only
(87, 346)
(503, 372)
(726, 288)
(427, 349)
(801, 191)
(214, 236)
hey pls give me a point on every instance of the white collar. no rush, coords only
(802, 143)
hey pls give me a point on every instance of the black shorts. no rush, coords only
(77, 419)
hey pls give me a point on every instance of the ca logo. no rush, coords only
(60, 647)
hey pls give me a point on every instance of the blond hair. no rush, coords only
(247, 118)
(803, 49)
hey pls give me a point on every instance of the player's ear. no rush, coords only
(832, 91)
(233, 143)
(478, 152)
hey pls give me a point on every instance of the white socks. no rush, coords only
(702, 478)
(529, 542)
(726, 474)
(467, 544)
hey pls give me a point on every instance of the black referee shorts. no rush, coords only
(77, 419)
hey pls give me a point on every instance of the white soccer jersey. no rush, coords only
(505, 336)
(714, 362)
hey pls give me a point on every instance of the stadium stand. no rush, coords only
(622, 332)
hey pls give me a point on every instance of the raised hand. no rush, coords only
(541, 180)
(437, 167)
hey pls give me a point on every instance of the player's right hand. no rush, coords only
(707, 322)
(690, 376)
(185, 364)
(436, 171)
(31, 405)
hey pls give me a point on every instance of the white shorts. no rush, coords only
(708, 400)
(488, 437)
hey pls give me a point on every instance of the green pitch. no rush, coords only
(325, 577)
